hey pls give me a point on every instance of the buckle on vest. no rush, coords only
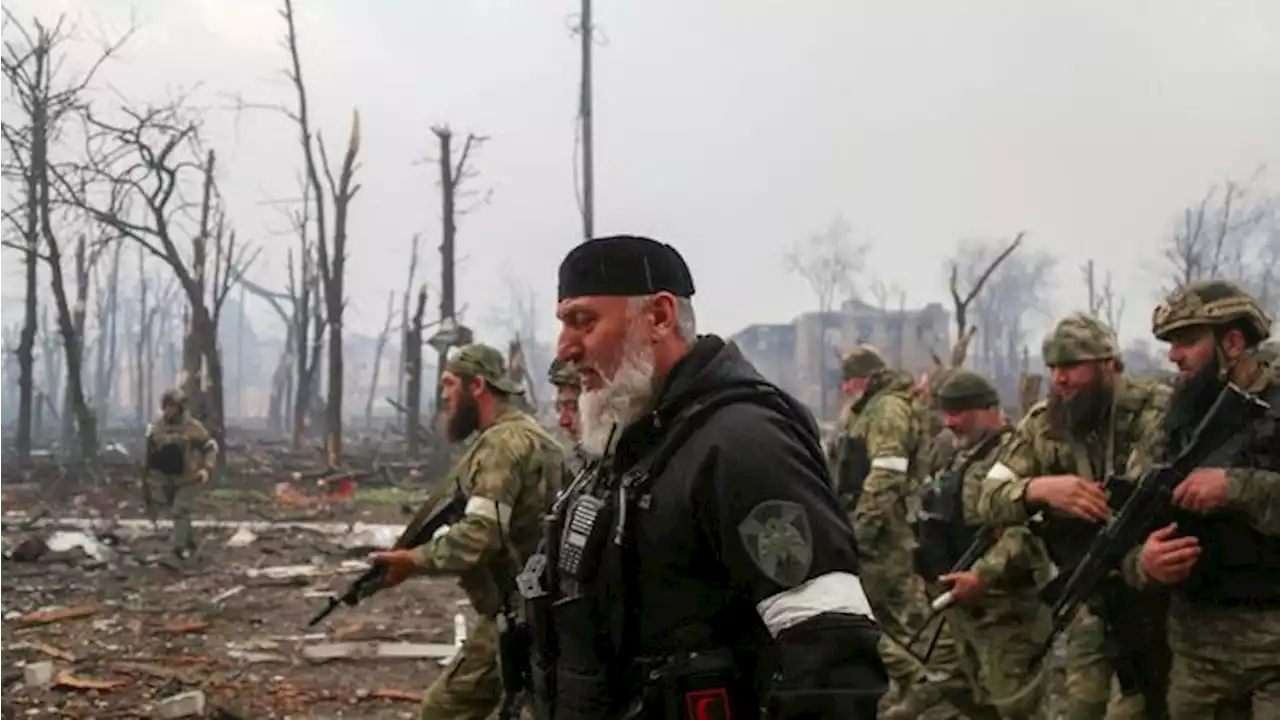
(707, 704)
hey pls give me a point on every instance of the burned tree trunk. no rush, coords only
(413, 373)
(108, 340)
(377, 359)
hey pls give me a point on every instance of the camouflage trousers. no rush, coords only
(174, 496)
(1226, 663)
(470, 688)
(997, 642)
(949, 677)
(1092, 692)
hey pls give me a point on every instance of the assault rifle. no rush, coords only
(417, 533)
(1148, 507)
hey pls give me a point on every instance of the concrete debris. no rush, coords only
(363, 650)
(65, 540)
(38, 675)
(227, 594)
(242, 537)
(254, 658)
(187, 704)
(367, 538)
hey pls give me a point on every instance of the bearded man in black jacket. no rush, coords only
(705, 570)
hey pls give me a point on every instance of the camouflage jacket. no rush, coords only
(1017, 564)
(199, 449)
(890, 431)
(1252, 493)
(510, 474)
(1035, 450)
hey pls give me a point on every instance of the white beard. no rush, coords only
(621, 401)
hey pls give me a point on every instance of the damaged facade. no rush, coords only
(803, 356)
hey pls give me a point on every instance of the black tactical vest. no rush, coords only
(1239, 566)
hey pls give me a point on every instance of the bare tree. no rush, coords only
(891, 301)
(331, 249)
(829, 261)
(106, 352)
(962, 300)
(414, 249)
(519, 320)
(413, 373)
(1103, 301)
(453, 178)
(377, 359)
(44, 101)
(1232, 232)
(1011, 288)
(132, 182)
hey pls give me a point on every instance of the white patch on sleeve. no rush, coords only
(893, 464)
(440, 531)
(836, 592)
(491, 509)
(1001, 472)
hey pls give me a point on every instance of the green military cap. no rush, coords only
(564, 374)
(966, 390)
(862, 361)
(482, 361)
(1208, 302)
(1079, 337)
(175, 396)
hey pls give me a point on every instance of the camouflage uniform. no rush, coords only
(565, 378)
(1036, 449)
(886, 433)
(1226, 659)
(510, 473)
(1001, 631)
(177, 450)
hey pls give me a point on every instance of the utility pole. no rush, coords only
(584, 116)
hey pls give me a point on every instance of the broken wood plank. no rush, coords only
(394, 694)
(66, 680)
(47, 617)
(182, 627)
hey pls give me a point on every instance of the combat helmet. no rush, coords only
(175, 396)
(1209, 302)
(1079, 337)
(564, 374)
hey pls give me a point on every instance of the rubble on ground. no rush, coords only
(102, 621)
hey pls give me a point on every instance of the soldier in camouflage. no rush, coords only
(998, 618)
(1055, 461)
(564, 377)
(1222, 557)
(510, 473)
(180, 457)
(879, 462)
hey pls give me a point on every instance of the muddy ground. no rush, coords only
(125, 631)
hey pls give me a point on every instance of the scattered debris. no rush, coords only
(66, 680)
(45, 617)
(242, 537)
(38, 675)
(227, 594)
(187, 704)
(180, 627)
(364, 650)
(394, 694)
(66, 540)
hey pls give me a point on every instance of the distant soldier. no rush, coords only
(564, 376)
(998, 617)
(510, 473)
(1054, 463)
(180, 457)
(880, 464)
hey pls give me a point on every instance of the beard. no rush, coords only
(465, 419)
(622, 400)
(1192, 397)
(1079, 414)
